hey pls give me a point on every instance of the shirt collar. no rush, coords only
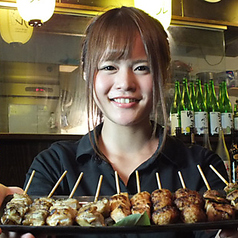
(85, 146)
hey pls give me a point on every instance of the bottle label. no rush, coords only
(214, 122)
(201, 122)
(187, 121)
(174, 119)
(236, 123)
(226, 122)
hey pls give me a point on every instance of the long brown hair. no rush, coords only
(110, 36)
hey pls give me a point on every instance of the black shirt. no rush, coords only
(79, 156)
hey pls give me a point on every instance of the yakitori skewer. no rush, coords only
(138, 182)
(17, 207)
(140, 202)
(217, 207)
(29, 182)
(39, 209)
(158, 180)
(231, 189)
(203, 177)
(57, 184)
(219, 175)
(190, 204)
(181, 179)
(76, 185)
(98, 188)
(163, 209)
(63, 212)
(117, 183)
(120, 205)
(94, 213)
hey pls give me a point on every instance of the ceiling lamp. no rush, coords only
(36, 12)
(212, 1)
(159, 9)
(13, 28)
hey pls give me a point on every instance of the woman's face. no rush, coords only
(123, 88)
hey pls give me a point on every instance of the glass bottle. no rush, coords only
(220, 95)
(214, 111)
(235, 116)
(226, 111)
(187, 113)
(233, 151)
(192, 136)
(200, 110)
(223, 153)
(175, 109)
(192, 93)
(206, 140)
(206, 93)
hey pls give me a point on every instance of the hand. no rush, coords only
(5, 191)
(231, 233)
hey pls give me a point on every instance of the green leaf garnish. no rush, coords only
(134, 220)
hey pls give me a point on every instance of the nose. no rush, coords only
(126, 80)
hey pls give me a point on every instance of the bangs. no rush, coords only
(117, 41)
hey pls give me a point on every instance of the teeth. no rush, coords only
(124, 100)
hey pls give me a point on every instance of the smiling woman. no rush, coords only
(125, 58)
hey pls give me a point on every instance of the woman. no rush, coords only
(126, 62)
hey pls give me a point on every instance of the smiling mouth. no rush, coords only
(125, 100)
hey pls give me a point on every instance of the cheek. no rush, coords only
(101, 86)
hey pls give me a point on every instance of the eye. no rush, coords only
(108, 68)
(142, 69)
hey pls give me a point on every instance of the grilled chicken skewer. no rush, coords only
(63, 212)
(190, 204)
(140, 202)
(164, 210)
(39, 209)
(217, 207)
(120, 204)
(17, 207)
(92, 214)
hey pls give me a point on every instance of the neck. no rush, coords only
(122, 138)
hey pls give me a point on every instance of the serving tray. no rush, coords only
(75, 229)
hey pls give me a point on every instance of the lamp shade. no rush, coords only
(13, 28)
(159, 9)
(36, 12)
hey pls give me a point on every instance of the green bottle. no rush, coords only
(226, 111)
(200, 111)
(206, 93)
(235, 116)
(192, 92)
(175, 109)
(187, 112)
(220, 95)
(214, 111)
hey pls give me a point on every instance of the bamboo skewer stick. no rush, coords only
(218, 174)
(203, 177)
(117, 183)
(158, 180)
(29, 182)
(138, 182)
(76, 185)
(181, 179)
(98, 188)
(57, 184)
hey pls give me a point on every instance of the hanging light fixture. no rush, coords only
(159, 9)
(36, 12)
(13, 28)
